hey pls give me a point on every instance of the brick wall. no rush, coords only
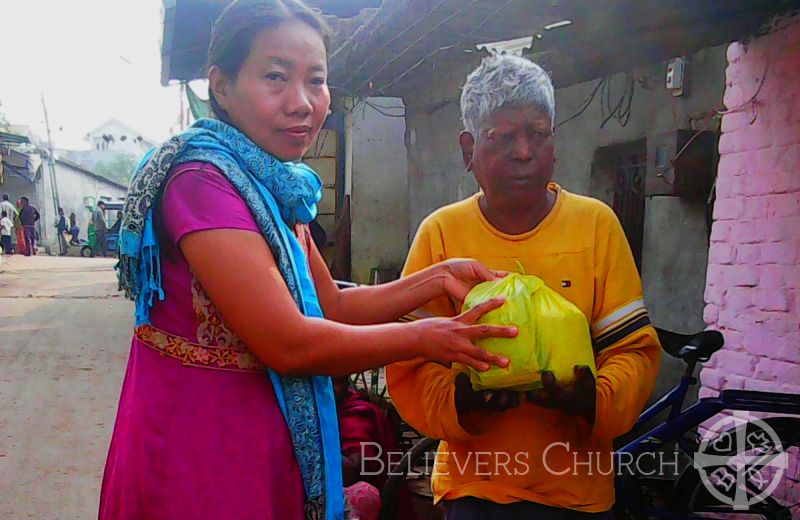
(753, 282)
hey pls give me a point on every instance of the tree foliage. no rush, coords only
(119, 169)
(4, 124)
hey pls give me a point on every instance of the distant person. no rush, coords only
(117, 224)
(74, 229)
(20, 247)
(28, 216)
(13, 215)
(5, 232)
(7, 206)
(61, 229)
(100, 230)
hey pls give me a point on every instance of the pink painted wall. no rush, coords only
(753, 283)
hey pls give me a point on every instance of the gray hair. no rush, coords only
(503, 80)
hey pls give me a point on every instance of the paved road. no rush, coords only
(64, 340)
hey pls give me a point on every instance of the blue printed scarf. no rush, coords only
(278, 195)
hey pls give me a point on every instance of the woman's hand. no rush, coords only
(450, 340)
(461, 275)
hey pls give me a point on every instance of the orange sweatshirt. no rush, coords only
(533, 453)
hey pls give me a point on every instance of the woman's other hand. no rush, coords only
(461, 275)
(450, 340)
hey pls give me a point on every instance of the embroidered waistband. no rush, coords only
(193, 354)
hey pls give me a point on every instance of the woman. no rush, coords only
(22, 244)
(215, 226)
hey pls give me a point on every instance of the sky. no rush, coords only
(92, 59)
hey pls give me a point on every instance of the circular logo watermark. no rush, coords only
(741, 460)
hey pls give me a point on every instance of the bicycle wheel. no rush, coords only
(746, 470)
(411, 458)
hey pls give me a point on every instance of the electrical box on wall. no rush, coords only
(676, 76)
(681, 163)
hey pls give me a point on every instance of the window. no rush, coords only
(618, 174)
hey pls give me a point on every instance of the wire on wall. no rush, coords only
(586, 103)
(619, 111)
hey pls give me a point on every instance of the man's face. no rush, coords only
(512, 157)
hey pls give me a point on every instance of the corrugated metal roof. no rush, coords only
(187, 31)
(7, 138)
(410, 39)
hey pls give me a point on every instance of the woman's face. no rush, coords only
(280, 98)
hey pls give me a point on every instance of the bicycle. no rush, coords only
(686, 495)
(693, 492)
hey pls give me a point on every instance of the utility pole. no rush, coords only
(52, 167)
(183, 95)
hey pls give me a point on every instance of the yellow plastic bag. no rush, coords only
(553, 334)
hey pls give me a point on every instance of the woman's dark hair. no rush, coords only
(233, 33)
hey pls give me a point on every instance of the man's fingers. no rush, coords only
(583, 374)
(551, 386)
(549, 380)
(474, 314)
(505, 399)
(585, 385)
(540, 397)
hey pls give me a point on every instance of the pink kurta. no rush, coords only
(195, 442)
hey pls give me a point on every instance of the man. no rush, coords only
(8, 206)
(100, 230)
(61, 229)
(29, 216)
(546, 454)
(12, 213)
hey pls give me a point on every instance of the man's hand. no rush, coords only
(468, 400)
(575, 399)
